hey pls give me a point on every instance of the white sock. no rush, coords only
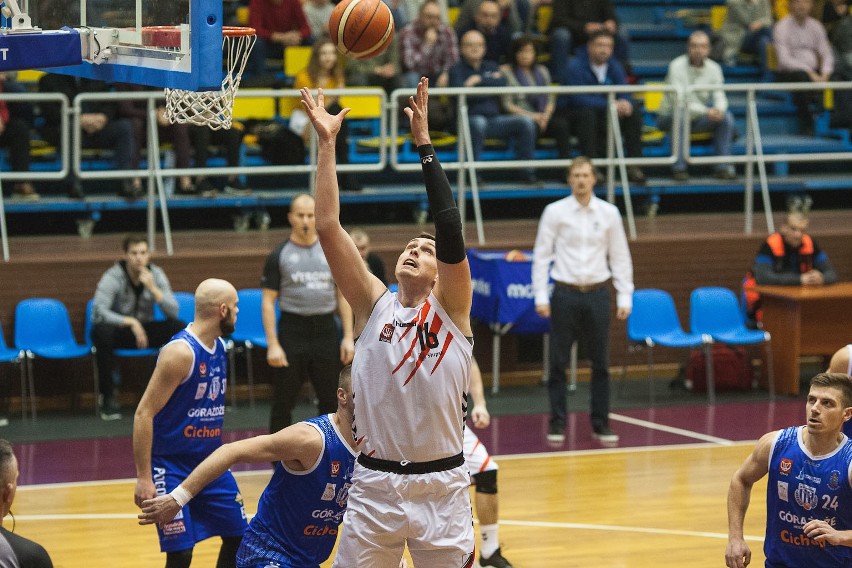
(490, 542)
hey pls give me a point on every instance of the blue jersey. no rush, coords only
(191, 421)
(803, 487)
(299, 511)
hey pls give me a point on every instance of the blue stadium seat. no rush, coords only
(15, 356)
(716, 312)
(248, 334)
(43, 329)
(654, 321)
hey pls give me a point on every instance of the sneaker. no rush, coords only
(236, 187)
(727, 174)
(495, 559)
(130, 190)
(204, 188)
(3, 421)
(75, 191)
(636, 175)
(555, 434)
(25, 192)
(110, 410)
(604, 434)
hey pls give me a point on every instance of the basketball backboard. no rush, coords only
(159, 43)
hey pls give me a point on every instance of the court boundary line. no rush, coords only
(614, 450)
(504, 522)
(670, 429)
(506, 457)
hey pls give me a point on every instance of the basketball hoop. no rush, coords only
(206, 108)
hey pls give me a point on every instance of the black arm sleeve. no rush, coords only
(449, 238)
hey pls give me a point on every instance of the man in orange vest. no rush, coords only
(789, 257)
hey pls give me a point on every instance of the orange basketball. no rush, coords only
(361, 28)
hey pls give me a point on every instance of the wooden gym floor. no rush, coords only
(658, 498)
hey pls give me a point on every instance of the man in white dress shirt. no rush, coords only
(583, 238)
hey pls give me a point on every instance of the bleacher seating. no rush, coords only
(658, 30)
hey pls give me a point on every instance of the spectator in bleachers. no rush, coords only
(514, 15)
(707, 110)
(841, 40)
(405, 11)
(428, 47)
(279, 24)
(15, 135)
(804, 55)
(524, 71)
(175, 134)
(380, 71)
(101, 126)
(835, 11)
(819, 8)
(231, 141)
(123, 315)
(789, 257)
(498, 38)
(485, 116)
(594, 64)
(747, 29)
(571, 26)
(325, 70)
(318, 12)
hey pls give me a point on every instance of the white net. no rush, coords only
(213, 108)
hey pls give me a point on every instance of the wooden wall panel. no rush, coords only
(676, 254)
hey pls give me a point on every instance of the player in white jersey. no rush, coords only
(483, 470)
(410, 373)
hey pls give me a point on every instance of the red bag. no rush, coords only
(731, 369)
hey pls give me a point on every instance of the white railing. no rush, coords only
(465, 166)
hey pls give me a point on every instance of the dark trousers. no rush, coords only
(202, 138)
(808, 103)
(589, 126)
(16, 137)
(312, 346)
(107, 338)
(582, 316)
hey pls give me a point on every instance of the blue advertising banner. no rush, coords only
(502, 292)
(38, 50)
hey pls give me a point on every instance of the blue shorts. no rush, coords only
(262, 550)
(216, 511)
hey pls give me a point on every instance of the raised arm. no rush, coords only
(454, 288)
(173, 365)
(360, 288)
(298, 445)
(737, 553)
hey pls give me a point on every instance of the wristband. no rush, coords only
(180, 495)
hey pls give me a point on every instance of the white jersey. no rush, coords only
(410, 375)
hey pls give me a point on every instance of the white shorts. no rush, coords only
(476, 454)
(430, 512)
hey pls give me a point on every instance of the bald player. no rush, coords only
(179, 423)
(841, 362)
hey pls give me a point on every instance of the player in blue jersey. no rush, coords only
(178, 423)
(809, 480)
(301, 508)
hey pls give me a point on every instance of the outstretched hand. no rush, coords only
(160, 509)
(418, 113)
(327, 125)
